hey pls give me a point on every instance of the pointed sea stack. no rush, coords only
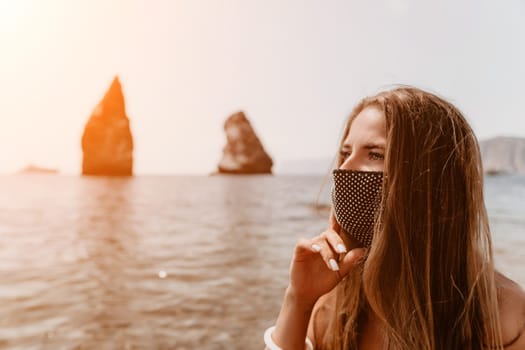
(243, 153)
(107, 143)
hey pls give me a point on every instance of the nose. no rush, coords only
(356, 161)
(350, 163)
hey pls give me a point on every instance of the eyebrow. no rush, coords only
(367, 146)
(373, 145)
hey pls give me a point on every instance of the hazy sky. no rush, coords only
(295, 67)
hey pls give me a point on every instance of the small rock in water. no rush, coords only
(223, 338)
(50, 335)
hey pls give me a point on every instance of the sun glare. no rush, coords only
(12, 13)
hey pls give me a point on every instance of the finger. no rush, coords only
(306, 247)
(303, 245)
(313, 244)
(326, 252)
(335, 241)
(333, 224)
(351, 259)
(350, 241)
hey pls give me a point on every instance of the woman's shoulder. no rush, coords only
(321, 316)
(511, 301)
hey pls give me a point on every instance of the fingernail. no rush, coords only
(333, 265)
(316, 247)
(341, 248)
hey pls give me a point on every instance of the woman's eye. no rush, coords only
(344, 154)
(376, 156)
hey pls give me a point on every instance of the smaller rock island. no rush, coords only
(37, 170)
(244, 152)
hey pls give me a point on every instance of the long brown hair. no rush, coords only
(429, 276)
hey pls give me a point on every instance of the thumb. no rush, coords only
(334, 225)
(351, 259)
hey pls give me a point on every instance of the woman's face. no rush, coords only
(364, 147)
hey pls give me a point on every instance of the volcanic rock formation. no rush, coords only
(243, 153)
(107, 143)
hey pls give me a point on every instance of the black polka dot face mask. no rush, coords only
(356, 197)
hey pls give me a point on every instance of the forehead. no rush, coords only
(368, 126)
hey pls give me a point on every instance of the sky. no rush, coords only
(295, 67)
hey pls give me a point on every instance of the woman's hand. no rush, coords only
(315, 270)
(319, 264)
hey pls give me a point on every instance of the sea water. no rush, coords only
(171, 262)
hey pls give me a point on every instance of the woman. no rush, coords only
(410, 177)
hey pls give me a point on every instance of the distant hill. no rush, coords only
(33, 169)
(503, 155)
